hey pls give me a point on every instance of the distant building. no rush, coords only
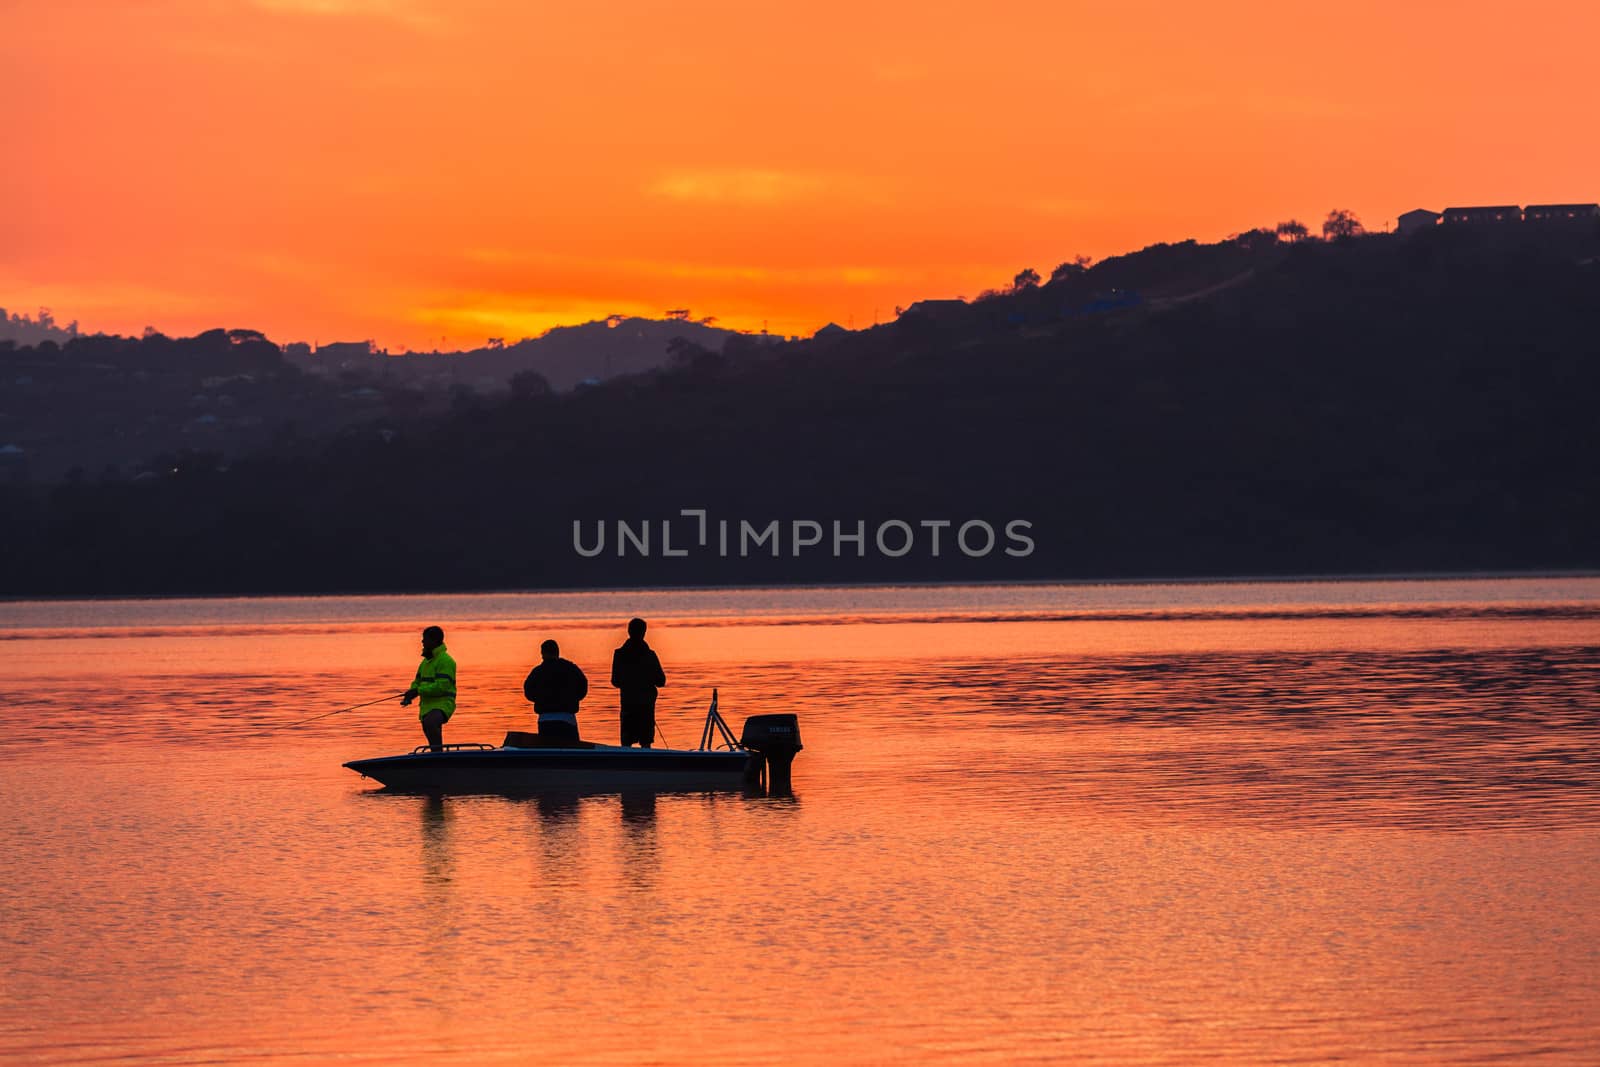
(1420, 219)
(833, 329)
(1478, 216)
(1561, 212)
(1498, 214)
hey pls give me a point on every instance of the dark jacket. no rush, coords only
(556, 687)
(636, 671)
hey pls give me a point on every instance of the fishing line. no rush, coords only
(338, 711)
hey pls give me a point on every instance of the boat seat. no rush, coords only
(519, 739)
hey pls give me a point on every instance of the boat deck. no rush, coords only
(597, 768)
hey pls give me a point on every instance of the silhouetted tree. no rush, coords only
(1292, 230)
(679, 314)
(1341, 223)
(529, 383)
(683, 351)
(1072, 268)
(1028, 278)
(1255, 240)
(694, 359)
(28, 331)
(407, 402)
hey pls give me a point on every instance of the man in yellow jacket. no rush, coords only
(435, 683)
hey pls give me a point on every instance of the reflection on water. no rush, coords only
(639, 848)
(1445, 739)
(1318, 823)
(436, 859)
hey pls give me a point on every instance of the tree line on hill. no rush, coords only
(1244, 408)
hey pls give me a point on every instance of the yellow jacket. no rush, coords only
(436, 684)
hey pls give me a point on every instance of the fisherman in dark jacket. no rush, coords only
(555, 687)
(637, 673)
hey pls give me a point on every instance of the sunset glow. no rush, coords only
(428, 173)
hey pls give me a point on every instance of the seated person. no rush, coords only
(555, 687)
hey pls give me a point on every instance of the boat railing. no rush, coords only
(715, 721)
(470, 746)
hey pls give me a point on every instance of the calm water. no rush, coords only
(1185, 823)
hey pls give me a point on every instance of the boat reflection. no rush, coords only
(638, 809)
(437, 862)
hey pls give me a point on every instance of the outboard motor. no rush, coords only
(776, 739)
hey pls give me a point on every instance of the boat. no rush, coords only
(759, 759)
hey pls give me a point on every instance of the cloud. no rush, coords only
(415, 13)
(470, 318)
(535, 291)
(806, 276)
(847, 274)
(1066, 207)
(108, 304)
(740, 186)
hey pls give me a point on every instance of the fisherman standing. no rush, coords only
(435, 683)
(555, 687)
(636, 672)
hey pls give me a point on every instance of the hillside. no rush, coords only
(564, 357)
(110, 408)
(1358, 406)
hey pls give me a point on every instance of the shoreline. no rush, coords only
(1023, 583)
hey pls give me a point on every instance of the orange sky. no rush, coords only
(411, 170)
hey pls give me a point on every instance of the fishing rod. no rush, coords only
(340, 711)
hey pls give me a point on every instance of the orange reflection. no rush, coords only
(1294, 836)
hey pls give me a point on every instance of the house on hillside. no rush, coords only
(1477, 216)
(1420, 219)
(1561, 212)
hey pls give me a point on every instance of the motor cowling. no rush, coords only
(776, 738)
